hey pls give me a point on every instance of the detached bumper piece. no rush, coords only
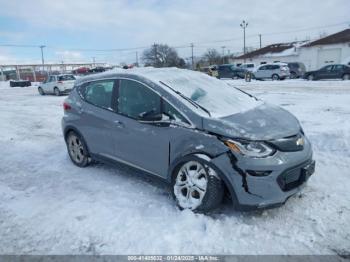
(296, 176)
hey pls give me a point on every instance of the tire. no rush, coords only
(311, 77)
(275, 77)
(293, 75)
(77, 149)
(56, 91)
(346, 77)
(196, 186)
(41, 91)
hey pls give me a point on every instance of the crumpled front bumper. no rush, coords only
(287, 174)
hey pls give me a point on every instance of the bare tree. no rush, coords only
(160, 55)
(212, 56)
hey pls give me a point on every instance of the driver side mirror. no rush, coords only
(150, 116)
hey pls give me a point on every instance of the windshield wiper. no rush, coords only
(246, 93)
(195, 104)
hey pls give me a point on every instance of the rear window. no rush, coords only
(66, 78)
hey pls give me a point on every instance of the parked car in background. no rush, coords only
(57, 84)
(98, 69)
(81, 71)
(296, 69)
(230, 71)
(248, 66)
(337, 71)
(21, 83)
(275, 71)
(198, 134)
(210, 70)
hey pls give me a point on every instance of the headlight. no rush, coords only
(251, 149)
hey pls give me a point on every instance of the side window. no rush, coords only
(327, 68)
(99, 93)
(338, 67)
(172, 113)
(263, 68)
(52, 79)
(136, 100)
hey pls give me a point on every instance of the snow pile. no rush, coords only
(50, 206)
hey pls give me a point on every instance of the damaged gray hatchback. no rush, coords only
(202, 136)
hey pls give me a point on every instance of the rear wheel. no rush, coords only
(275, 77)
(77, 149)
(56, 91)
(346, 77)
(196, 186)
(41, 91)
(311, 78)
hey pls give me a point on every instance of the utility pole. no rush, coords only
(192, 58)
(244, 25)
(93, 61)
(260, 40)
(137, 59)
(223, 54)
(155, 55)
(42, 55)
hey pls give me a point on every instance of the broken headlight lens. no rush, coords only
(251, 149)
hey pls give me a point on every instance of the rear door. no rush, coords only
(97, 116)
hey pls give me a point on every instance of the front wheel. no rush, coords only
(57, 91)
(346, 77)
(293, 75)
(196, 186)
(77, 149)
(41, 91)
(311, 78)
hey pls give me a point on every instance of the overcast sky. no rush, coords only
(67, 26)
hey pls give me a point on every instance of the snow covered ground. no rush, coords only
(50, 206)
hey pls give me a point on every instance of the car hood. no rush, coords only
(264, 122)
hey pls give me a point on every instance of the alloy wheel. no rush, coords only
(191, 185)
(76, 149)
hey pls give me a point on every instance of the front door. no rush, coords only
(143, 144)
(325, 72)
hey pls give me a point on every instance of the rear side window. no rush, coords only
(99, 93)
(136, 100)
(66, 78)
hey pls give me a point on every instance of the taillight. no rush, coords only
(66, 106)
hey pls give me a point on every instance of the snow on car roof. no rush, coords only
(213, 94)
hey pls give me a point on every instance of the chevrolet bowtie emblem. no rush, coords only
(300, 141)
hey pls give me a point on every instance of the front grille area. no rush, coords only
(289, 144)
(292, 178)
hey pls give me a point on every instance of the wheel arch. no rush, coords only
(204, 158)
(69, 129)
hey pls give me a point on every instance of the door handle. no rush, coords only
(118, 123)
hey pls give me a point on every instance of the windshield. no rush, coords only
(213, 94)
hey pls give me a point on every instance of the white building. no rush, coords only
(333, 49)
